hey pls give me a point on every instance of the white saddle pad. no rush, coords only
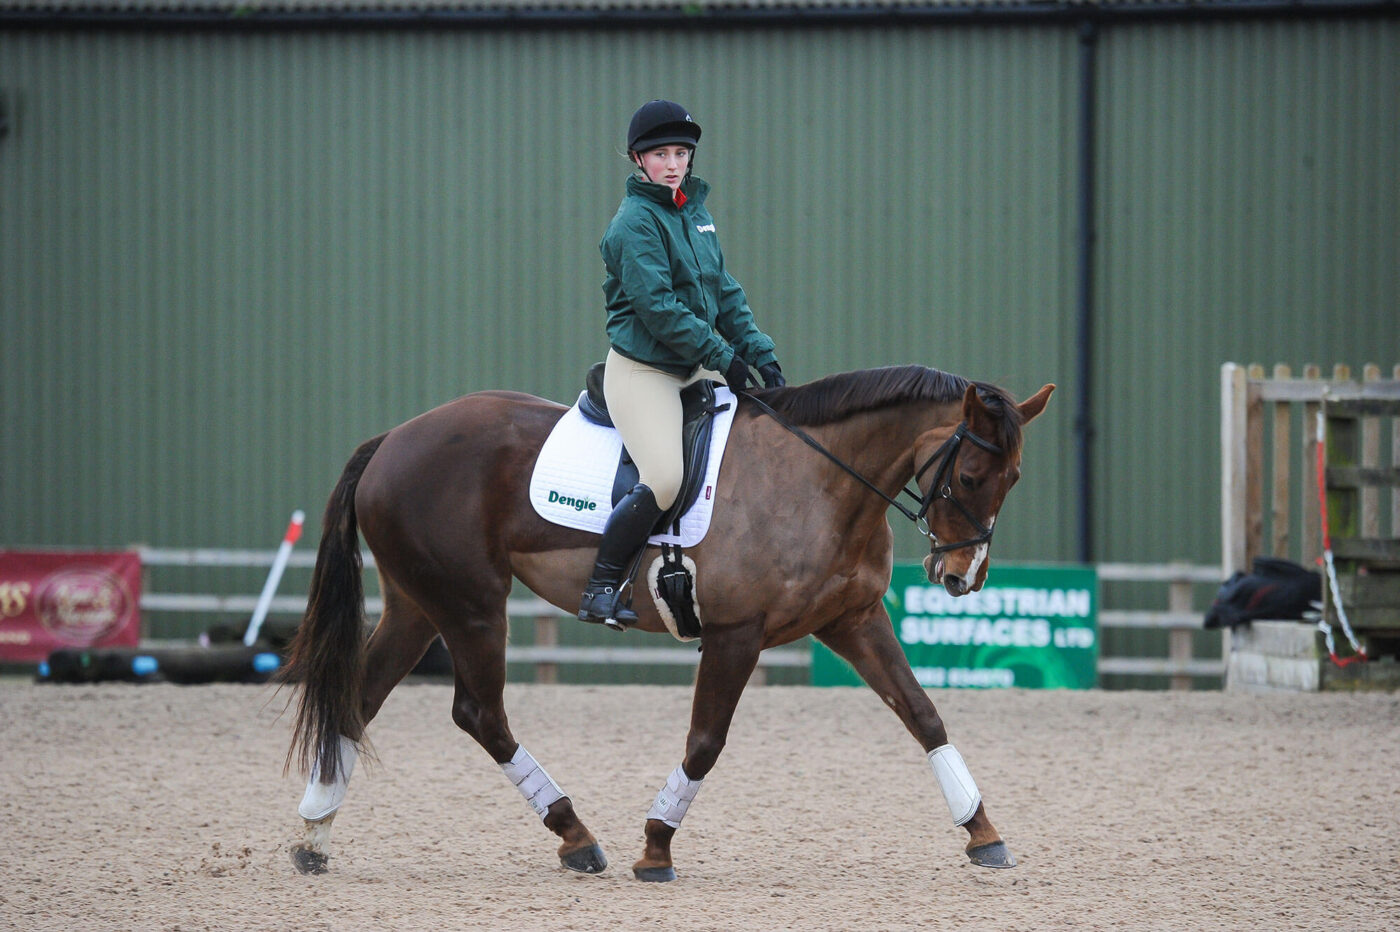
(573, 478)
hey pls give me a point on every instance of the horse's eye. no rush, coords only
(967, 481)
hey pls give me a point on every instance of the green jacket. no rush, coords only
(670, 302)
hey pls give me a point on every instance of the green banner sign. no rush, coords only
(1032, 627)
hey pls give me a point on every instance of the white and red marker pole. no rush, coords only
(274, 576)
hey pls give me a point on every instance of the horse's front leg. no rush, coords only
(868, 644)
(726, 663)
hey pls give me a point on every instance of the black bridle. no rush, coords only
(941, 487)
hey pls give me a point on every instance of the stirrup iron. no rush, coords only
(605, 606)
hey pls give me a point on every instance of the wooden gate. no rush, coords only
(1271, 428)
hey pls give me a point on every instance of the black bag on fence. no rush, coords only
(1275, 589)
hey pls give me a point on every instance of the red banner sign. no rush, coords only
(52, 600)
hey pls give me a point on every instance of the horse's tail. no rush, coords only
(327, 655)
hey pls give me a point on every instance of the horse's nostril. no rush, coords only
(933, 568)
(955, 585)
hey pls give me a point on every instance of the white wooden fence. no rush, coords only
(1179, 621)
(1178, 618)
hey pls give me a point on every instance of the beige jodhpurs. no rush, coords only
(645, 405)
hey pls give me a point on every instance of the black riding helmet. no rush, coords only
(661, 123)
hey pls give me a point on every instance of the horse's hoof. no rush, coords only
(586, 860)
(995, 854)
(654, 874)
(307, 861)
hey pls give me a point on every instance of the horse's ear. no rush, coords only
(974, 409)
(1035, 404)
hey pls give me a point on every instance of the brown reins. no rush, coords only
(940, 488)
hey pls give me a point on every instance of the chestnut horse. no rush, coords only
(799, 544)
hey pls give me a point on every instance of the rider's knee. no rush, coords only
(665, 489)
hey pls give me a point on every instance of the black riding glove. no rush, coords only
(772, 375)
(737, 376)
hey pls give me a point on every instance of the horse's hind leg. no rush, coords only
(868, 644)
(394, 649)
(729, 658)
(478, 649)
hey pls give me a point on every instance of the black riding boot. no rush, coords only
(624, 536)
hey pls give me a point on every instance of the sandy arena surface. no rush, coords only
(164, 807)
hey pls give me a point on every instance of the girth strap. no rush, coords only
(676, 588)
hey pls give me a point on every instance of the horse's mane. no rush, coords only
(840, 396)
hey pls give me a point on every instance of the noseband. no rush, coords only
(941, 488)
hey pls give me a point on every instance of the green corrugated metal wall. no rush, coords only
(228, 258)
(1249, 211)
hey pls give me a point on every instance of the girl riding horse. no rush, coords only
(675, 316)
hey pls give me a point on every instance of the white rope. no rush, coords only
(1327, 561)
(1341, 610)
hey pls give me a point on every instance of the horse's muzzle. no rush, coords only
(935, 569)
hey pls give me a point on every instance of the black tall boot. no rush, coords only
(624, 536)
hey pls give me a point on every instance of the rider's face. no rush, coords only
(665, 164)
